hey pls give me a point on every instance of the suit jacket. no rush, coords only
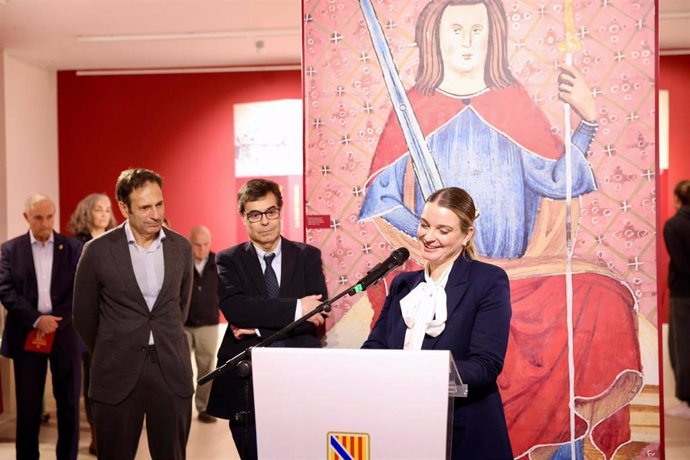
(476, 332)
(677, 239)
(111, 316)
(19, 293)
(245, 303)
(203, 308)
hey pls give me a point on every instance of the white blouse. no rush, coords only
(424, 310)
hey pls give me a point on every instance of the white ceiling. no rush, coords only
(220, 33)
(45, 32)
(674, 26)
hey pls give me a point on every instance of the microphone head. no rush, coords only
(400, 255)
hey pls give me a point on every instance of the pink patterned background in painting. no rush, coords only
(347, 104)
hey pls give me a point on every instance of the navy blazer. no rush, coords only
(19, 293)
(476, 332)
(244, 302)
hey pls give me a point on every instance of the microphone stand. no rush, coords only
(242, 361)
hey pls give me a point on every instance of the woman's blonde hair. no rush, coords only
(462, 205)
(81, 219)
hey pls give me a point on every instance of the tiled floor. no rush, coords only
(677, 438)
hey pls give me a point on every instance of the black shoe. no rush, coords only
(205, 418)
(92, 447)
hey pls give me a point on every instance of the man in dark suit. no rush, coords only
(132, 293)
(256, 304)
(36, 278)
(677, 239)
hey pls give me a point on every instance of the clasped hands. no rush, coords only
(47, 324)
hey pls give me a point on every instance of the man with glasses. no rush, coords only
(265, 284)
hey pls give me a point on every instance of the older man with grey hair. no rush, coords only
(202, 323)
(36, 277)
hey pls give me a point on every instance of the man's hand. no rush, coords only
(308, 304)
(47, 324)
(239, 333)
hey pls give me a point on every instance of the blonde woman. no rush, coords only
(92, 217)
(460, 304)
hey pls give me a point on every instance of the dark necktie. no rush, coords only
(270, 277)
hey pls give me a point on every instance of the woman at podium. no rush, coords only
(460, 304)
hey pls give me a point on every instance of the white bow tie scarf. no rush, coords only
(424, 310)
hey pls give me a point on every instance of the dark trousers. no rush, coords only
(30, 378)
(168, 419)
(679, 346)
(245, 439)
(86, 358)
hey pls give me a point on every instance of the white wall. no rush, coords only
(28, 159)
(30, 140)
(3, 182)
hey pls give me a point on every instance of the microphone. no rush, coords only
(241, 361)
(397, 258)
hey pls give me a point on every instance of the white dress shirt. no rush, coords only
(149, 267)
(43, 264)
(277, 265)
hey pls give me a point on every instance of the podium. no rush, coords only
(354, 404)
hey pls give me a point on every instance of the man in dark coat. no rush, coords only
(265, 284)
(677, 239)
(36, 279)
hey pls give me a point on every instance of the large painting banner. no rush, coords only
(544, 111)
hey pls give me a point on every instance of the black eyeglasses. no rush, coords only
(256, 216)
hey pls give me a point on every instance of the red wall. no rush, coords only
(674, 76)
(178, 125)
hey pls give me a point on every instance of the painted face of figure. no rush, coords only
(464, 36)
(201, 244)
(145, 212)
(100, 214)
(40, 218)
(262, 220)
(440, 236)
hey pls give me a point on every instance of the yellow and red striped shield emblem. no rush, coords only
(348, 446)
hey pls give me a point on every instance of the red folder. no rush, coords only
(42, 343)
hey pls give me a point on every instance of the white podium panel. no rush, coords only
(351, 404)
